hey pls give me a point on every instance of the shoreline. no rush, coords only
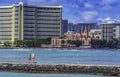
(60, 48)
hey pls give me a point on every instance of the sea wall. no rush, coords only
(61, 68)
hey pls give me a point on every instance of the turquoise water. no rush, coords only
(9, 74)
(57, 56)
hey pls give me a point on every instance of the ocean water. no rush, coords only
(10, 74)
(57, 56)
(64, 56)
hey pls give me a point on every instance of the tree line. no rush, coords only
(77, 43)
(97, 43)
(27, 43)
(32, 43)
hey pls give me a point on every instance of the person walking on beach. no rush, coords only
(33, 58)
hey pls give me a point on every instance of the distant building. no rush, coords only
(81, 27)
(95, 33)
(116, 32)
(57, 42)
(64, 26)
(71, 27)
(110, 31)
(26, 22)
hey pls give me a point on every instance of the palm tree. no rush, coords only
(7, 43)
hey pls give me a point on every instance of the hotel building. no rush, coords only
(26, 22)
(110, 31)
(95, 33)
(117, 31)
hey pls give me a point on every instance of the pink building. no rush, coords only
(58, 42)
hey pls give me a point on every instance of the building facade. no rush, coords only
(80, 27)
(71, 27)
(116, 32)
(95, 33)
(6, 23)
(110, 31)
(64, 26)
(57, 42)
(26, 22)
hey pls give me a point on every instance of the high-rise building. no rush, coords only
(116, 32)
(70, 27)
(81, 27)
(26, 22)
(110, 30)
(64, 26)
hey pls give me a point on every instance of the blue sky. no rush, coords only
(80, 10)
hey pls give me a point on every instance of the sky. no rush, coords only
(77, 11)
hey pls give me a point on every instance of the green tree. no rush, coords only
(0, 42)
(48, 40)
(37, 43)
(113, 43)
(77, 43)
(19, 43)
(7, 43)
(118, 44)
(63, 42)
(97, 43)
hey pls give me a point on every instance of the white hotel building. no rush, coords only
(95, 33)
(117, 31)
(26, 22)
(110, 31)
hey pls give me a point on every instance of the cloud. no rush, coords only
(79, 10)
(107, 19)
(104, 19)
(109, 1)
(89, 15)
(75, 6)
(106, 7)
(36, 0)
(71, 5)
(88, 5)
(42, 1)
(108, 4)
